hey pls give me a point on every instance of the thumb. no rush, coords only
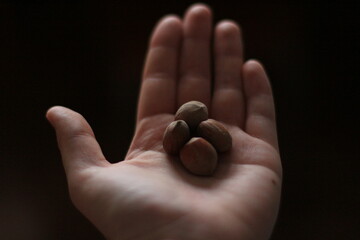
(78, 146)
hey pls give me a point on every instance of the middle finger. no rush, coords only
(194, 82)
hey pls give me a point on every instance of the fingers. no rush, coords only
(228, 102)
(242, 93)
(78, 146)
(260, 119)
(194, 83)
(158, 90)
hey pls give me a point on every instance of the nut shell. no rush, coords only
(199, 157)
(192, 113)
(175, 136)
(214, 132)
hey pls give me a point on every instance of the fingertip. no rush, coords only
(198, 12)
(228, 27)
(57, 114)
(199, 9)
(167, 31)
(197, 21)
(255, 77)
(253, 66)
(53, 113)
(228, 40)
(76, 140)
(170, 19)
(66, 120)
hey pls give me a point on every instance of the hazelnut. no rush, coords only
(214, 132)
(192, 113)
(175, 136)
(199, 157)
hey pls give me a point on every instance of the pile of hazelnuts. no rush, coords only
(196, 139)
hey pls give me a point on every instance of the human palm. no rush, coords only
(150, 195)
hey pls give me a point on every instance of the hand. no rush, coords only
(150, 195)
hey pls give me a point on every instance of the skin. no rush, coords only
(150, 195)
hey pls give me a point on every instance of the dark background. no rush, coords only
(89, 55)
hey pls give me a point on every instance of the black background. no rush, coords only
(89, 56)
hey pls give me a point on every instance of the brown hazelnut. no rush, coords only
(199, 157)
(192, 113)
(175, 136)
(214, 132)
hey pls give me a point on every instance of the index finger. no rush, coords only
(158, 89)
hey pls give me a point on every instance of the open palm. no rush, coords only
(150, 195)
